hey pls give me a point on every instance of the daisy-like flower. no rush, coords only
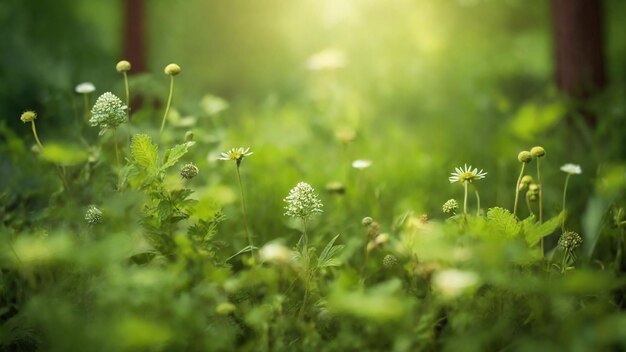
(466, 174)
(236, 154)
(108, 112)
(572, 169)
(85, 88)
(361, 164)
(302, 202)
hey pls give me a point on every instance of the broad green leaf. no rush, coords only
(64, 154)
(503, 221)
(534, 233)
(144, 153)
(175, 153)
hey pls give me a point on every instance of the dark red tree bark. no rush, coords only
(134, 40)
(579, 48)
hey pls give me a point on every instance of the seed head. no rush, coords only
(524, 156)
(537, 151)
(123, 66)
(108, 112)
(302, 202)
(172, 69)
(450, 206)
(93, 216)
(389, 261)
(28, 116)
(189, 171)
(569, 241)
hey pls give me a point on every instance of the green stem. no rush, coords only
(477, 201)
(86, 103)
(244, 210)
(540, 194)
(519, 180)
(530, 210)
(117, 152)
(307, 267)
(36, 136)
(127, 94)
(465, 201)
(564, 195)
(169, 103)
(564, 263)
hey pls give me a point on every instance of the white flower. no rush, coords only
(236, 154)
(108, 112)
(327, 59)
(302, 202)
(453, 282)
(85, 88)
(572, 169)
(275, 253)
(466, 174)
(361, 164)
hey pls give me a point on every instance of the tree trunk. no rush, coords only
(579, 48)
(134, 34)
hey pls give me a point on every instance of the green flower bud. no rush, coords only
(524, 157)
(28, 116)
(527, 179)
(189, 136)
(93, 216)
(189, 171)
(172, 69)
(367, 221)
(537, 151)
(123, 66)
(389, 261)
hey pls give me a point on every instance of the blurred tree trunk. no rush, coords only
(579, 48)
(134, 34)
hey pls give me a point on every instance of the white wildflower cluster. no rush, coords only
(450, 206)
(302, 202)
(108, 112)
(569, 241)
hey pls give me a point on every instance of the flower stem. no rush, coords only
(169, 103)
(540, 202)
(307, 267)
(127, 94)
(465, 200)
(244, 210)
(117, 152)
(477, 201)
(86, 104)
(564, 195)
(530, 211)
(519, 180)
(36, 136)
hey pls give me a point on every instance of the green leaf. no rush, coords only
(144, 153)
(503, 221)
(534, 233)
(64, 154)
(175, 153)
(328, 256)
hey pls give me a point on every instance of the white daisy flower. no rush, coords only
(361, 164)
(236, 154)
(85, 88)
(466, 174)
(572, 169)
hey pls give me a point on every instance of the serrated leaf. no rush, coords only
(144, 153)
(173, 154)
(502, 220)
(328, 256)
(533, 234)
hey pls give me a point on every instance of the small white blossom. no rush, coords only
(572, 169)
(93, 216)
(85, 88)
(453, 282)
(361, 164)
(275, 253)
(236, 154)
(466, 174)
(302, 202)
(108, 112)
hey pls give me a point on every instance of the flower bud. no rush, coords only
(28, 116)
(189, 171)
(189, 136)
(123, 66)
(367, 221)
(389, 261)
(537, 151)
(527, 179)
(524, 157)
(172, 69)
